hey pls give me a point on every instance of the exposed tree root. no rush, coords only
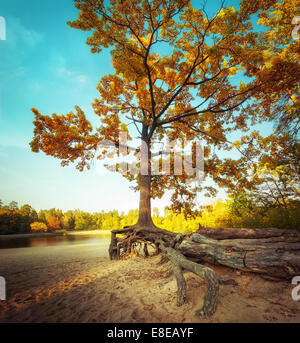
(181, 284)
(271, 253)
(165, 241)
(212, 280)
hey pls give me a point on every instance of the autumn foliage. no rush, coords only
(53, 223)
(38, 227)
(183, 74)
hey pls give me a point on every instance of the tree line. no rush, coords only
(242, 210)
(25, 219)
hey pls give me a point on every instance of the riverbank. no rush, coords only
(104, 233)
(78, 283)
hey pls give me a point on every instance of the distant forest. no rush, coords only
(240, 211)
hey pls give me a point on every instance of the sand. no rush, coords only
(78, 283)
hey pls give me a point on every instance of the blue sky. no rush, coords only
(46, 64)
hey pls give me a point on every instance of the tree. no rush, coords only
(42, 216)
(159, 92)
(13, 206)
(83, 221)
(53, 223)
(28, 211)
(38, 227)
(188, 92)
(68, 220)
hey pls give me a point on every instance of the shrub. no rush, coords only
(38, 227)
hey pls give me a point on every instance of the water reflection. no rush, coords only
(27, 242)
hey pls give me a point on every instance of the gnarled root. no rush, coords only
(211, 295)
(181, 284)
(165, 242)
(113, 247)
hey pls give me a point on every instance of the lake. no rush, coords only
(29, 241)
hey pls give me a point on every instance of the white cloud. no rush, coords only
(18, 35)
(35, 86)
(74, 76)
(82, 79)
(19, 41)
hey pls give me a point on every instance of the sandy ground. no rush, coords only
(78, 283)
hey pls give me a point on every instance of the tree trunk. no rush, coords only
(145, 219)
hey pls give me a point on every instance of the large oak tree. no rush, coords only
(180, 73)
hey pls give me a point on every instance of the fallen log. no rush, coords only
(233, 233)
(269, 252)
